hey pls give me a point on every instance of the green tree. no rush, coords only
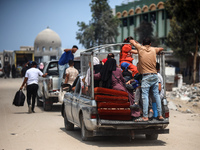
(183, 37)
(102, 29)
(146, 30)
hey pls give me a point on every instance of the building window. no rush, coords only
(131, 21)
(43, 48)
(38, 48)
(124, 22)
(163, 14)
(153, 17)
(53, 58)
(50, 48)
(38, 59)
(145, 17)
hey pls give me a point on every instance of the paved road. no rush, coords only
(45, 130)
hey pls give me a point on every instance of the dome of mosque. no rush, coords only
(47, 40)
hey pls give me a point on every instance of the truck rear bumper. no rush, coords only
(129, 132)
(126, 128)
(133, 123)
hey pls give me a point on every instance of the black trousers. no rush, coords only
(32, 93)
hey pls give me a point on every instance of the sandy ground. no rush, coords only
(45, 130)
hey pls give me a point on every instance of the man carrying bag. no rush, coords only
(31, 79)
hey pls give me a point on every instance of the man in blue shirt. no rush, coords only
(63, 62)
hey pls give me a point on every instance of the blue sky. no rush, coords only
(22, 20)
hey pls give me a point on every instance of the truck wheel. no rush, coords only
(85, 134)
(47, 104)
(62, 110)
(39, 103)
(68, 125)
(151, 136)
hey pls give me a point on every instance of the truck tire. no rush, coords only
(62, 110)
(68, 125)
(85, 134)
(151, 136)
(39, 103)
(47, 104)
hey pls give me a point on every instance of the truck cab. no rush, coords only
(91, 108)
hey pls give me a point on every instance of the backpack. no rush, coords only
(19, 98)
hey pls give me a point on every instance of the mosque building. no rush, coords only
(47, 45)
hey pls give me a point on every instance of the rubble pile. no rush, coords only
(186, 92)
(185, 99)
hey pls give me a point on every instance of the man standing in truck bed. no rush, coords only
(147, 67)
(63, 62)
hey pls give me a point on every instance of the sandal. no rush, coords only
(140, 120)
(160, 119)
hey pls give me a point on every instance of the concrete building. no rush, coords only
(47, 45)
(133, 13)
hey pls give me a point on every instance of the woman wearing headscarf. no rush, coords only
(41, 66)
(111, 77)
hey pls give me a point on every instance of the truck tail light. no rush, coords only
(167, 115)
(93, 116)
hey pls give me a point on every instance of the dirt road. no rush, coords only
(45, 130)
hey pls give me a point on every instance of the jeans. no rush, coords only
(62, 68)
(150, 81)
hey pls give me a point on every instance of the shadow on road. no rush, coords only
(21, 113)
(55, 108)
(115, 141)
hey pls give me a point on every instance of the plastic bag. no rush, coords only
(19, 98)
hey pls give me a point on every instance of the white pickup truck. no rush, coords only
(48, 92)
(82, 109)
(48, 86)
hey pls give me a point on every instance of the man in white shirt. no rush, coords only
(31, 79)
